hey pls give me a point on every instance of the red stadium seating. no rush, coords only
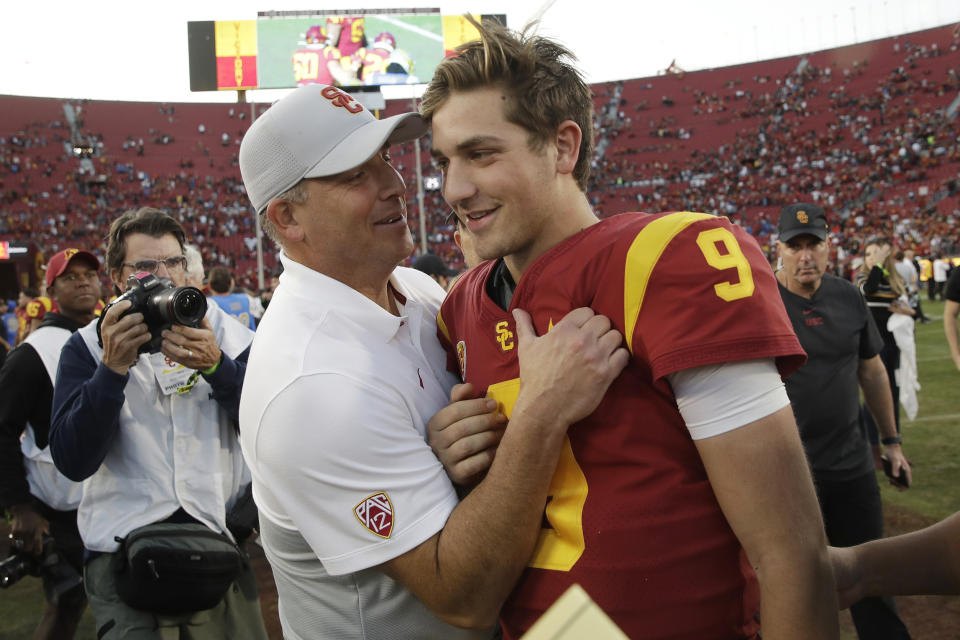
(862, 127)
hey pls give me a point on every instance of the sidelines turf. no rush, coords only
(930, 442)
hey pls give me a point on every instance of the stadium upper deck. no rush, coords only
(862, 129)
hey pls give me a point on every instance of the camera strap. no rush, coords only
(172, 376)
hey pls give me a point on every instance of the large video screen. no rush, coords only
(282, 50)
(348, 50)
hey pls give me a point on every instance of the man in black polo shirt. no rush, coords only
(842, 343)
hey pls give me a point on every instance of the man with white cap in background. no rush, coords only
(358, 519)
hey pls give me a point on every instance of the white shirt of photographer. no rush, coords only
(171, 451)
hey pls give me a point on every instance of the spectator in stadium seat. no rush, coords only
(154, 442)
(838, 333)
(355, 506)
(244, 307)
(512, 135)
(39, 499)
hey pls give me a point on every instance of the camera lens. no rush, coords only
(188, 306)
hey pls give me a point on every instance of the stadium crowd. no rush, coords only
(869, 138)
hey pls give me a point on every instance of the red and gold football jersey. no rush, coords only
(631, 515)
(38, 308)
(310, 65)
(351, 34)
(372, 61)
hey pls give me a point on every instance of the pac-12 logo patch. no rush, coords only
(375, 513)
(462, 359)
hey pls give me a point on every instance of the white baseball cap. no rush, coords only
(316, 130)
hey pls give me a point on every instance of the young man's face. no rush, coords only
(500, 188)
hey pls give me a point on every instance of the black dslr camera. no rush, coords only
(64, 579)
(162, 304)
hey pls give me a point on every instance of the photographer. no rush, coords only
(41, 502)
(145, 414)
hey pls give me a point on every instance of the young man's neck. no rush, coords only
(563, 225)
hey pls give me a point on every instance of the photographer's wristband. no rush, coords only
(213, 369)
(892, 440)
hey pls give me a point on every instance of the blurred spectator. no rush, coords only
(41, 501)
(950, 311)
(242, 306)
(434, 266)
(195, 274)
(941, 269)
(23, 320)
(882, 287)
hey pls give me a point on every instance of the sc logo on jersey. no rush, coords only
(504, 335)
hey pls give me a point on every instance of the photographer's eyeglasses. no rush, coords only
(175, 263)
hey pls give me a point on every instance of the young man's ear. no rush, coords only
(569, 138)
(280, 213)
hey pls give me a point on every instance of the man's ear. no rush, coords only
(280, 213)
(569, 138)
(118, 284)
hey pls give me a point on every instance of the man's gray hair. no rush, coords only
(195, 272)
(297, 194)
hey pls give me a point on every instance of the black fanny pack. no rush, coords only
(176, 568)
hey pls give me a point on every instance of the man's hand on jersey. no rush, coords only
(27, 528)
(193, 347)
(122, 337)
(565, 373)
(464, 435)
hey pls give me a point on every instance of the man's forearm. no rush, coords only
(227, 381)
(922, 562)
(490, 536)
(761, 479)
(797, 594)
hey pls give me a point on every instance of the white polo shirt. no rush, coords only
(333, 419)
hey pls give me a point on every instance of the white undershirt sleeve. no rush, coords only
(722, 397)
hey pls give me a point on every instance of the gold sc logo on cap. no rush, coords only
(802, 217)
